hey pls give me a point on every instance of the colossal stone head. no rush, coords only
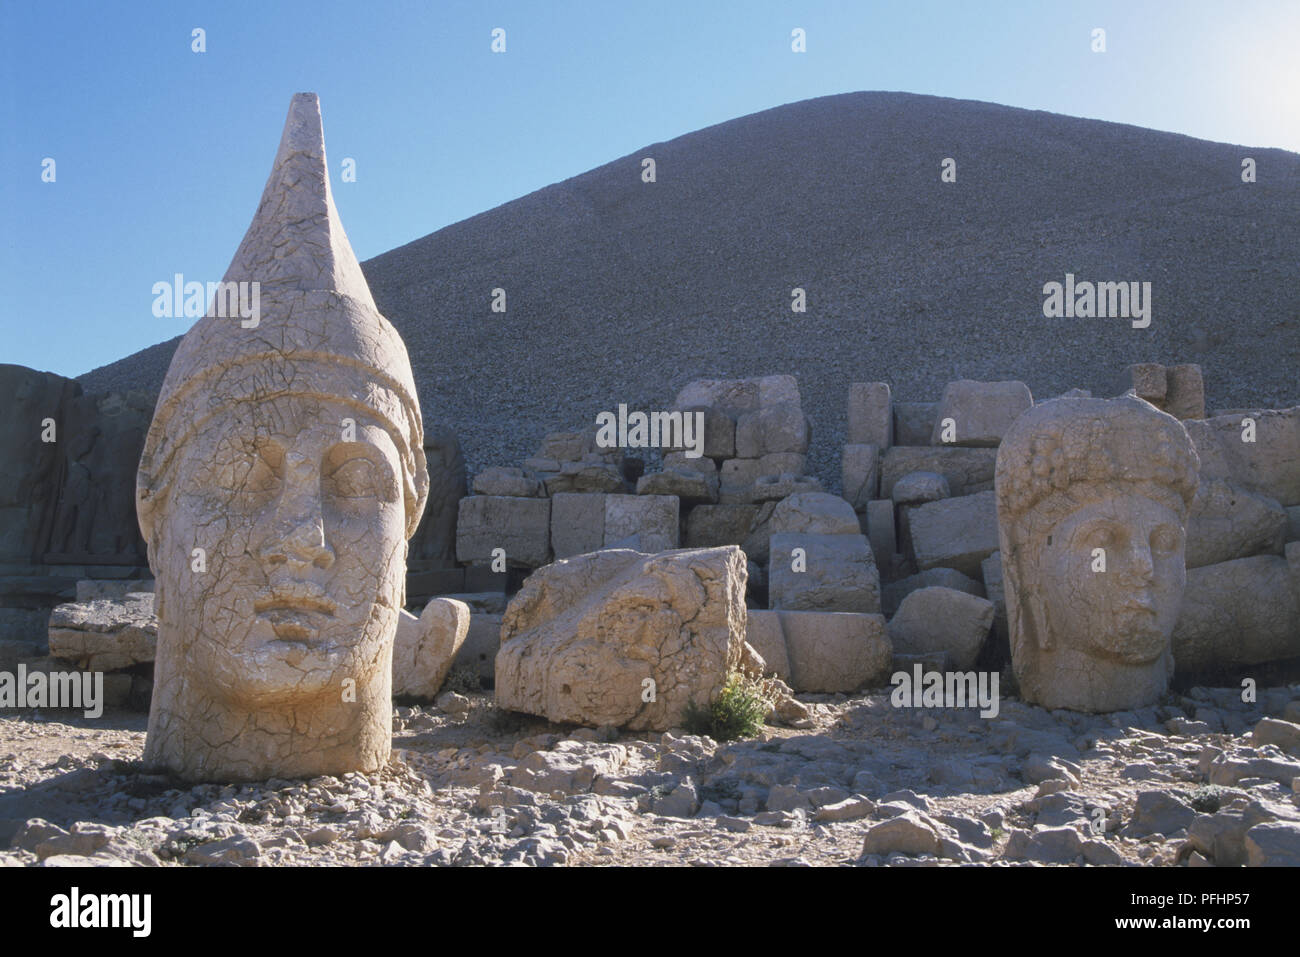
(281, 477)
(1092, 502)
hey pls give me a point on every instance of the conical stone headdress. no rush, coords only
(318, 332)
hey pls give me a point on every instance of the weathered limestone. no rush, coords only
(774, 488)
(913, 422)
(895, 592)
(1148, 380)
(934, 619)
(1226, 522)
(1185, 393)
(105, 635)
(1075, 476)
(708, 526)
(1239, 613)
(772, 429)
(830, 573)
(478, 652)
(577, 523)
(648, 523)
(881, 532)
(967, 471)
(954, 532)
(512, 482)
(871, 415)
(832, 651)
(584, 635)
(1268, 465)
(981, 412)
(995, 591)
(521, 526)
(763, 633)
(860, 474)
(425, 647)
(281, 477)
(814, 513)
(917, 488)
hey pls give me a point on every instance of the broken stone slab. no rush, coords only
(980, 412)
(1239, 613)
(1227, 522)
(935, 618)
(564, 446)
(652, 518)
(1147, 380)
(814, 513)
(425, 647)
(835, 651)
(955, 532)
(774, 488)
(708, 526)
(691, 486)
(105, 635)
(1269, 465)
(917, 488)
(770, 429)
(871, 415)
(966, 470)
(895, 592)
(913, 422)
(521, 526)
(860, 474)
(763, 632)
(830, 573)
(583, 636)
(577, 523)
(1185, 394)
(585, 477)
(512, 482)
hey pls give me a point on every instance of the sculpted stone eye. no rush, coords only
(1165, 540)
(355, 478)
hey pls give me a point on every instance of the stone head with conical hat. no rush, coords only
(281, 478)
(1092, 498)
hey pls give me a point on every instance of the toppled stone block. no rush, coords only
(935, 618)
(871, 415)
(105, 635)
(774, 488)
(782, 463)
(585, 477)
(478, 651)
(881, 532)
(719, 432)
(708, 526)
(425, 647)
(946, 577)
(652, 518)
(1148, 380)
(917, 488)
(764, 634)
(814, 513)
(1268, 465)
(736, 481)
(689, 484)
(577, 523)
(773, 428)
(582, 636)
(832, 651)
(823, 573)
(1227, 522)
(967, 471)
(981, 412)
(955, 532)
(522, 526)
(1185, 394)
(508, 481)
(860, 474)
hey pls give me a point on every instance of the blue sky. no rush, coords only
(161, 152)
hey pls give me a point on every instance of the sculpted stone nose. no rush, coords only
(298, 538)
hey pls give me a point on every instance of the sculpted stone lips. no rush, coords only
(295, 596)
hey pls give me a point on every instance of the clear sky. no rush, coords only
(161, 152)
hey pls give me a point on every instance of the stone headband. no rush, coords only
(1099, 442)
(336, 348)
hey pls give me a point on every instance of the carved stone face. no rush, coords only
(1126, 613)
(301, 519)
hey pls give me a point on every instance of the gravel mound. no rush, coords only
(623, 291)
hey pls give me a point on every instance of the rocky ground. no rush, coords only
(1201, 779)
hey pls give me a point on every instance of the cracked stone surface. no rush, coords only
(1079, 478)
(281, 478)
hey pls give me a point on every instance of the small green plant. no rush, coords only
(463, 680)
(1207, 798)
(739, 711)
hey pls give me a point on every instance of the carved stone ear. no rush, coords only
(1035, 621)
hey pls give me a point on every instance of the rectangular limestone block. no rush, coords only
(881, 532)
(860, 474)
(577, 523)
(1260, 451)
(708, 526)
(1148, 380)
(871, 414)
(822, 573)
(832, 651)
(913, 422)
(648, 523)
(954, 533)
(773, 428)
(966, 470)
(737, 478)
(478, 652)
(782, 463)
(521, 526)
(764, 633)
(1185, 392)
(978, 414)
